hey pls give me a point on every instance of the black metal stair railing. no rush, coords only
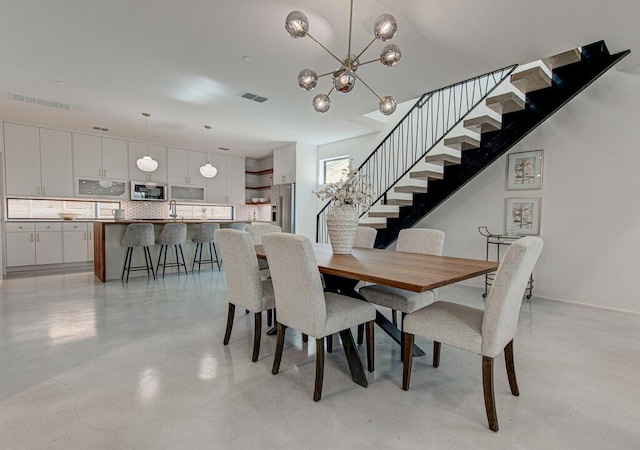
(432, 117)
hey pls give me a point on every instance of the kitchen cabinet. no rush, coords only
(31, 243)
(77, 242)
(184, 166)
(284, 165)
(99, 157)
(136, 151)
(228, 185)
(38, 161)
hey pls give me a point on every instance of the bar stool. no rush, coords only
(172, 234)
(238, 226)
(138, 235)
(206, 235)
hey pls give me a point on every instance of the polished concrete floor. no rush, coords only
(85, 365)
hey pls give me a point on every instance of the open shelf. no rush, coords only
(259, 172)
(258, 188)
(261, 203)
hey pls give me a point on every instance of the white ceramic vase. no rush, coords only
(342, 224)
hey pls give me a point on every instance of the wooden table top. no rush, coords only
(410, 271)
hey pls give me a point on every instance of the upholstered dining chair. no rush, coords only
(256, 231)
(303, 305)
(486, 332)
(365, 237)
(244, 285)
(411, 240)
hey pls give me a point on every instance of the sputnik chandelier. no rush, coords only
(345, 76)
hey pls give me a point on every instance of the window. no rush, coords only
(333, 170)
(215, 212)
(18, 208)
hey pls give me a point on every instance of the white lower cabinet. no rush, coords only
(37, 243)
(78, 242)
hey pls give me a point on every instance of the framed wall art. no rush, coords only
(524, 170)
(522, 215)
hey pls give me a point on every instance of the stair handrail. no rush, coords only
(371, 167)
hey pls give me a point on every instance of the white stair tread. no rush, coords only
(563, 59)
(482, 124)
(506, 103)
(462, 142)
(530, 80)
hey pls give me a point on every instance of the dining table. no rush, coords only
(410, 271)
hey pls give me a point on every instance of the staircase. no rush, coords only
(410, 182)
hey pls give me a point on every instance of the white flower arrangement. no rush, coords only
(352, 190)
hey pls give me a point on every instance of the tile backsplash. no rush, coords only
(160, 210)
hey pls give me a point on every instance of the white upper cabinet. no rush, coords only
(138, 150)
(97, 157)
(284, 165)
(115, 161)
(38, 161)
(228, 185)
(184, 166)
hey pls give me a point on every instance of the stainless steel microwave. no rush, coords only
(148, 191)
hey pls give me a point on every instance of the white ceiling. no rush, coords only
(182, 62)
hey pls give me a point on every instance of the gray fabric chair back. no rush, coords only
(365, 237)
(505, 298)
(244, 287)
(206, 233)
(173, 234)
(421, 240)
(256, 231)
(296, 282)
(238, 226)
(138, 235)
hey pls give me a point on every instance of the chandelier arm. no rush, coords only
(367, 86)
(350, 27)
(325, 49)
(369, 62)
(332, 89)
(366, 48)
(325, 74)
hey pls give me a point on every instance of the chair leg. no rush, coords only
(394, 318)
(184, 263)
(175, 249)
(489, 397)
(126, 258)
(227, 334)
(329, 340)
(511, 368)
(256, 336)
(164, 266)
(436, 354)
(403, 315)
(148, 252)
(146, 261)
(159, 258)
(215, 250)
(370, 347)
(407, 350)
(360, 333)
(269, 317)
(195, 256)
(317, 390)
(305, 338)
(279, 348)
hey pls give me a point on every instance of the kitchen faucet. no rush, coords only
(172, 208)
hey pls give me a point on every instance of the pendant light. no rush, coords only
(147, 163)
(208, 171)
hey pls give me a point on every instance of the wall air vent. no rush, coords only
(38, 101)
(101, 129)
(254, 97)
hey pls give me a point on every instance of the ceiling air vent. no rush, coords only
(100, 129)
(224, 149)
(38, 101)
(254, 97)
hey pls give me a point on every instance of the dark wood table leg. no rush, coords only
(346, 286)
(353, 358)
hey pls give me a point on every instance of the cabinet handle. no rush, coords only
(31, 237)
(89, 234)
(44, 190)
(37, 237)
(38, 190)
(104, 173)
(99, 172)
(84, 236)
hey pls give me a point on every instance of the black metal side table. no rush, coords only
(499, 241)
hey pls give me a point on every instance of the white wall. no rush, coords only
(306, 182)
(590, 213)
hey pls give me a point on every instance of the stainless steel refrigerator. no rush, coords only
(283, 206)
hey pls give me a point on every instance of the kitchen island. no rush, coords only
(109, 255)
